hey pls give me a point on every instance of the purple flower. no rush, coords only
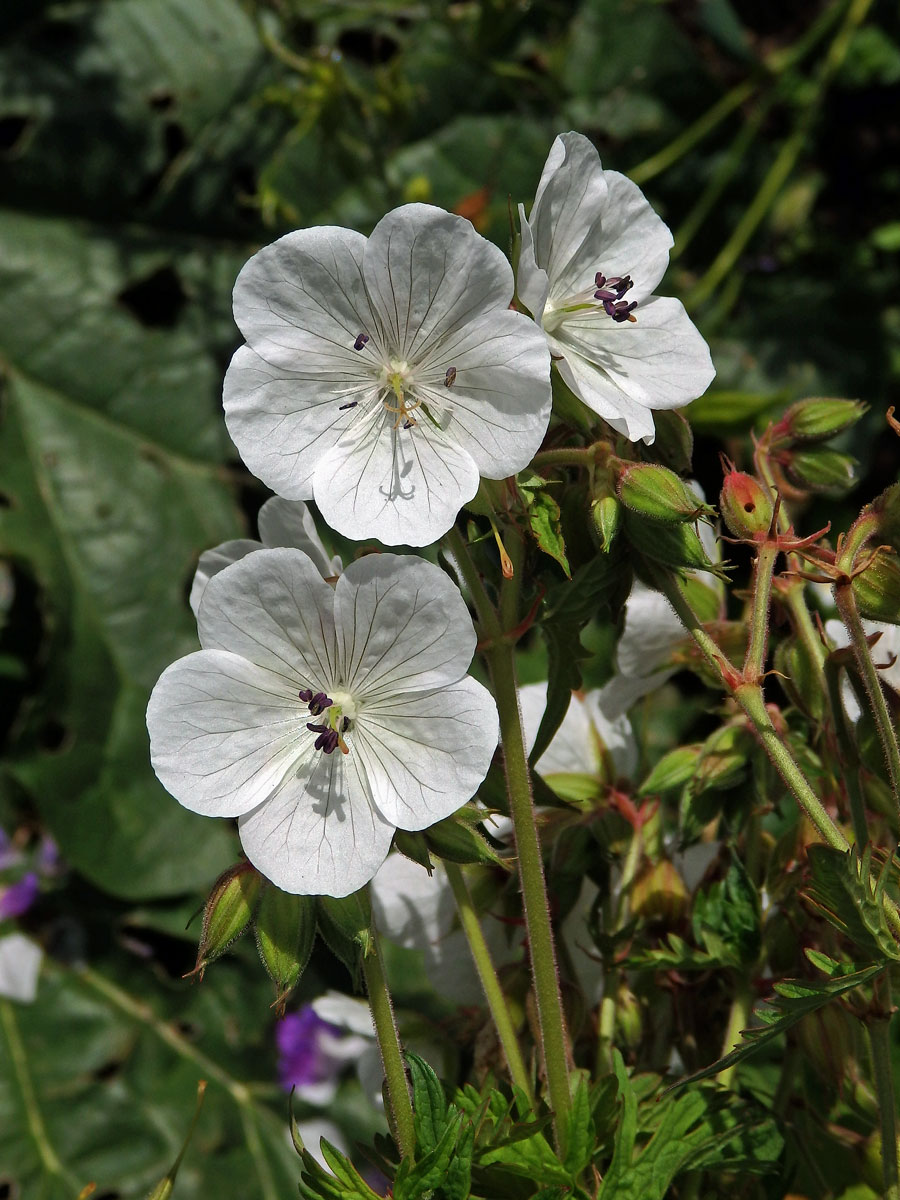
(306, 1046)
(17, 899)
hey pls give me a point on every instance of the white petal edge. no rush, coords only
(402, 626)
(213, 561)
(425, 754)
(224, 733)
(290, 523)
(20, 966)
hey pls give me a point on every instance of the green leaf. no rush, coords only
(430, 1107)
(619, 1169)
(843, 892)
(543, 516)
(115, 1054)
(580, 1143)
(793, 999)
(344, 1183)
(726, 917)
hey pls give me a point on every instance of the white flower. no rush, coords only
(281, 523)
(885, 654)
(594, 723)
(592, 252)
(324, 718)
(383, 376)
(20, 965)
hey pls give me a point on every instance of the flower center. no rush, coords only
(398, 396)
(607, 293)
(339, 712)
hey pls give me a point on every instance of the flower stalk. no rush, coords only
(399, 1102)
(493, 992)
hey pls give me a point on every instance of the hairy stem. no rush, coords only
(400, 1105)
(879, 1031)
(493, 992)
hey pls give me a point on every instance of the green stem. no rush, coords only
(607, 1021)
(761, 588)
(879, 1031)
(493, 992)
(502, 663)
(785, 161)
(850, 774)
(570, 456)
(18, 1055)
(750, 697)
(846, 605)
(399, 1102)
(738, 1020)
(501, 660)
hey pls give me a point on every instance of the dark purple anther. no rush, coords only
(352, 404)
(450, 377)
(305, 695)
(408, 424)
(327, 739)
(623, 311)
(361, 340)
(319, 703)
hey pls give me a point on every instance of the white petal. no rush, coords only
(224, 734)
(628, 239)
(402, 486)
(319, 834)
(282, 422)
(402, 626)
(411, 907)
(215, 560)
(425, 754)
(346, 1012)
(590, 721)
(613, 728)
(20, 965)
(274, 609)
(499, 403)
(301, 302)
(661, 361)
(532, 281)
(572, 191)
(652, 632)
(290, 523)
(429, 274)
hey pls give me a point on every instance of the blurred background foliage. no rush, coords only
(147, 148)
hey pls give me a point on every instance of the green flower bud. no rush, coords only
(877, 588)
(672, 770)
(607, 515)
(455, 840)
(413, 846)
(746, 506)
(629, 1021)
(885, 509)
(799, 677)
(345, 924)
(659, 893)
(817, 420)
(723, 760)
(229, 911)
(285, 929)
(820, 469)
(658, 493)
(675, 546)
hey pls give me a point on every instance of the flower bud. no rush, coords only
(675, 546)
(228, 911)
(658, 493)
(659, 893)
(724, 759)
(455, 840)
(672, 770)
(820, 469)
(799, 677)
(882, 517)
(285, 929)
(746, 506)
(819, 419)
(827, 1041)
(345, 924)
(877, 588)
(629, 1021)
(607, 515)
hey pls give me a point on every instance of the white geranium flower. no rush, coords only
(885, 654)
(281, 523)
(324, 717)
(383, 375)
(594, 723)
(20, 966)
(592, 252)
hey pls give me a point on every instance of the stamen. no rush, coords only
(610, 290)
(361, 340)
(351, 404)
(450, 377)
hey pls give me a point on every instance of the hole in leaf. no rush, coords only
(53, 736)
(14, 129)
(156, 300)
(162, 99)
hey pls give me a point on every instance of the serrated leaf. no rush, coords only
(430, 1109)
(580, 1140)
(543, 517)
(792, 1001)
(843, 892)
